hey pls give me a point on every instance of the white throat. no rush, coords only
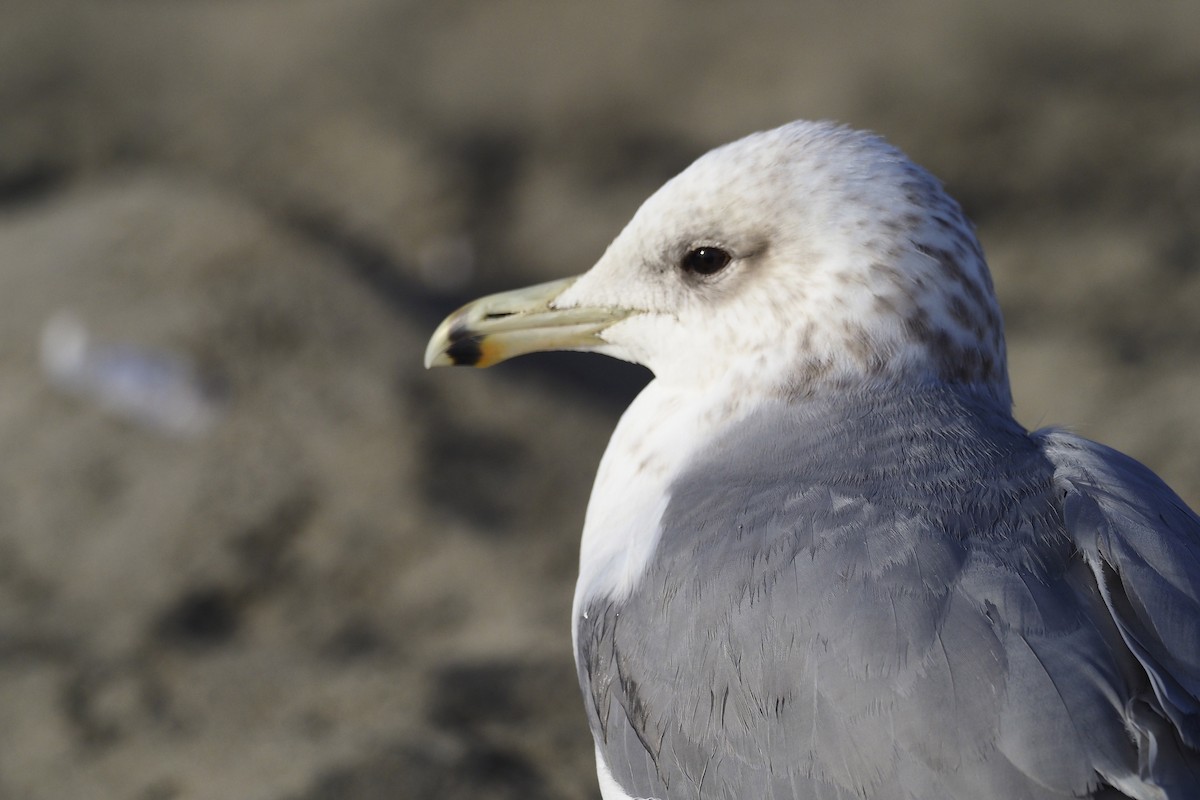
(658, 434)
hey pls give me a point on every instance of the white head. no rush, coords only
(799, 258)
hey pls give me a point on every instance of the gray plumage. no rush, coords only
(902, 594)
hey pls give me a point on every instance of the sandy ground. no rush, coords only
(339, 576)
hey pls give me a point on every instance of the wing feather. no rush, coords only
(1142, 544)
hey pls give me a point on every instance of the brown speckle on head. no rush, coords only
(885, 305)
(917, 325)
(804, 336)
(883, 271)
(811, 372)
(967, 318)
(979, 291)
(944, 224)
(858, 344)
(949, 267)
(988, 365)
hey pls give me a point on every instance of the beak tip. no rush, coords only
(440, 350)
(452, 352)
(435, 353)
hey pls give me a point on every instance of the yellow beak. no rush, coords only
(500, 326)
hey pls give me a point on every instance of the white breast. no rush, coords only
(656, 438)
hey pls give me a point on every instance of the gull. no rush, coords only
(821, 559)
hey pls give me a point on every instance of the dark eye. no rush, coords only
(705, 260)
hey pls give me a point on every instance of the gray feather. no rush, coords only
(1142, 544)
(885, 598)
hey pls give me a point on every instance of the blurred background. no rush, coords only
(249, 548)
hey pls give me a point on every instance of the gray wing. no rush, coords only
(870, 602)
(1142, 544)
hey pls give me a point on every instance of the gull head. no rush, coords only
(795, 260)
